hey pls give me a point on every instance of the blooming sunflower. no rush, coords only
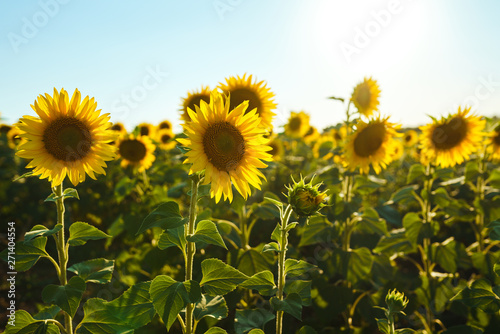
(165, 138)
(371, 144)
(227, 144)
(257, 94)
(298, 125)
(399, 150)
(277, 149)
(494, 145)
(165, 125)
(136, 152)
(410, 138)
(323, 148)
(13, 137)
(365, 97)
(193, 99)
(451, 140)
(146, 129)
(312, 135)
(71, 138)
(119, 128)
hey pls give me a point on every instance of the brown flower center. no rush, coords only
(224, 146)
(496, 138)
(449, 134)
(369, 140)
(117, 127)
(4, 128)
(132, 150)
(165, 138)
(165, 125)
(239, 95)
(295, 123)
(67, 139)
(408, 138)
(144, 130)
(364, 96)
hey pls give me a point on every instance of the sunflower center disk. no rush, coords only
(165, 138)
(450, 134)
(196, 100)
(364, 97)
(238, 96)
(369, 140)
(116, 127)
(224, 146)
(295, 124)
(67, 139)
(496, 139)
(144, 131)
(132, 150)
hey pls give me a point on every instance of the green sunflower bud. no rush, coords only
(396, 301)
(305, 198)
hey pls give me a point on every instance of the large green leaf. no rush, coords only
(462, 329)
(292, 305)
(25, 324)
(212, 307)
(262, 282)
(404, 195)
(170, 297)
(494, 227)
(416, 173)
(67, 297)
(354, 264)
(417, 230)
(371, 223)
(48, 312)
(80, 233)
(27, 253)
(252, 261)
(206, 232)
(480, 294)
(173, 237)
(294, 268)
(67, 193)
(95, 270)
(246, 320)
(216, 330)
(166, 216)
(41, 231)
(315, 232)
(301, 288)
(396, 242)
(220, 278)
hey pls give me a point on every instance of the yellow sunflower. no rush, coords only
(119, 128)
(258, 95)
(227, 144)
(4, 128)
(165, 125)
(372, 144)
(13, 137)
(146, 129)
(399, 150)
(165, 138)
(494, 145)
(365, 97)
(298, 125)
(193, 99)
(323, 148)
(277, 149)
(70, 138)
(312, 135)
(410, 138)
(453, 139)
(136, 152)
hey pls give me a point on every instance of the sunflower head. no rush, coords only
(165, 125)
(165, 138)
(410, 138)
(146, 129)
(324, 146)
(398, 150)
(494, 143)
(298, 125)
(4, 128)
(136, 152)
(277, 148)
(365, 97)
(70, 138)
(396, 301)
(258, 95)
(193, 99)
(227, 144)
(371, 144)
(453, 139)
(305, 198)
(311, 135)
(119, 128)
(14, 137)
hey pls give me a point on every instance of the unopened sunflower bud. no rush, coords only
(305, 198)
(396, 301)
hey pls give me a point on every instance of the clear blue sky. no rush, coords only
(429, 57)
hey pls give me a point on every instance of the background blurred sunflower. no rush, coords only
(165, 125)
(298, 125)
(165, 138)
(410, 138)
(228, 145)
(70, 138)
(136, 152)
(365, 97)
(371, 144)
(323, 148)
(146, 129)
(311, 135)
(193, 99)
(494, 145)
(119, 128)
(13, 137)
(451, 140)
(4, 128)
(277, 150)
(256, 93)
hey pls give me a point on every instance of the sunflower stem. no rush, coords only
(62, 250)
(283, 242)
(427, 247)
(480, 185)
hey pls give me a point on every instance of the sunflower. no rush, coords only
(371, 144)
(399, 150)
(4, 128)
(165, 125)
(227, 144)
(410, 138)
(193, 99)
(312, 135)
(258, 95)
(277, 149)
(494, 145)
(13, 137)
(136, 152)
(146, 129)
(323, 148)
(119, 128)
(165, 138)
(451, 140)
(365, 97)
(298, 125)
(70, 138)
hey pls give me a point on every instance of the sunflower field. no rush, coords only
(233, 226)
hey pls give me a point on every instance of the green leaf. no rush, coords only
(246, 320)
(48, 312)
(220, 278)
(170, 297)
(216, 330)
(95, 271)
(480, 295)
(80, 233)
(27, 253)
(463, 329)
(271, 247)
(27, 174)
(173, 237)
(67, 297)
(276, 234)
(395, 243)
(213, 307)
(252, 261)
(471, 171)
(275, 202)
(166, 216)
(416, 229)
(404, 195)
(302, 288)
(494, 227)
(445, 254)
(367, 184)
(371, 223)
(292, 305)
(133, 309)
(494, 179)
(68, 193)
(383, 326)
(416, 173)
(294, 268)
(314, 233)
(41, 231)
(262, 282)
(355, 264)
(25, 324)
(307, 330)
(206, 232)
(256, 331)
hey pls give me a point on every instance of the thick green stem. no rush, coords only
(283, 242)
(391, 324)
(191, 249)
(62, 249)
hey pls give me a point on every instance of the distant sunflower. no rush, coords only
(323, 148)
(71, 138)
(165, 125)
(453, 139)
(371, 144)
(4, 128)
(165, 138)
(311, 135)
(258, 95)
(410, 138)
(494, 145)
(398, 151)
(136, 152)
(227, 144)
(277, 149)
(193, 99)
(298, 125)
(365, 97)
(119, 128)
(13, 137)
(146, 129)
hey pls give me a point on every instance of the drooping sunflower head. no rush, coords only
(146, 129)
(70, 138)
(119, 128)
(227, 144)
(165, 138)
(298, 125)
(371, 144)
(410, 138)
(193, 99)
(365, 97)
(165, 125)
(136, 152)
(305, 198)
(258, 95)
(453, 139)
(14, 137)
